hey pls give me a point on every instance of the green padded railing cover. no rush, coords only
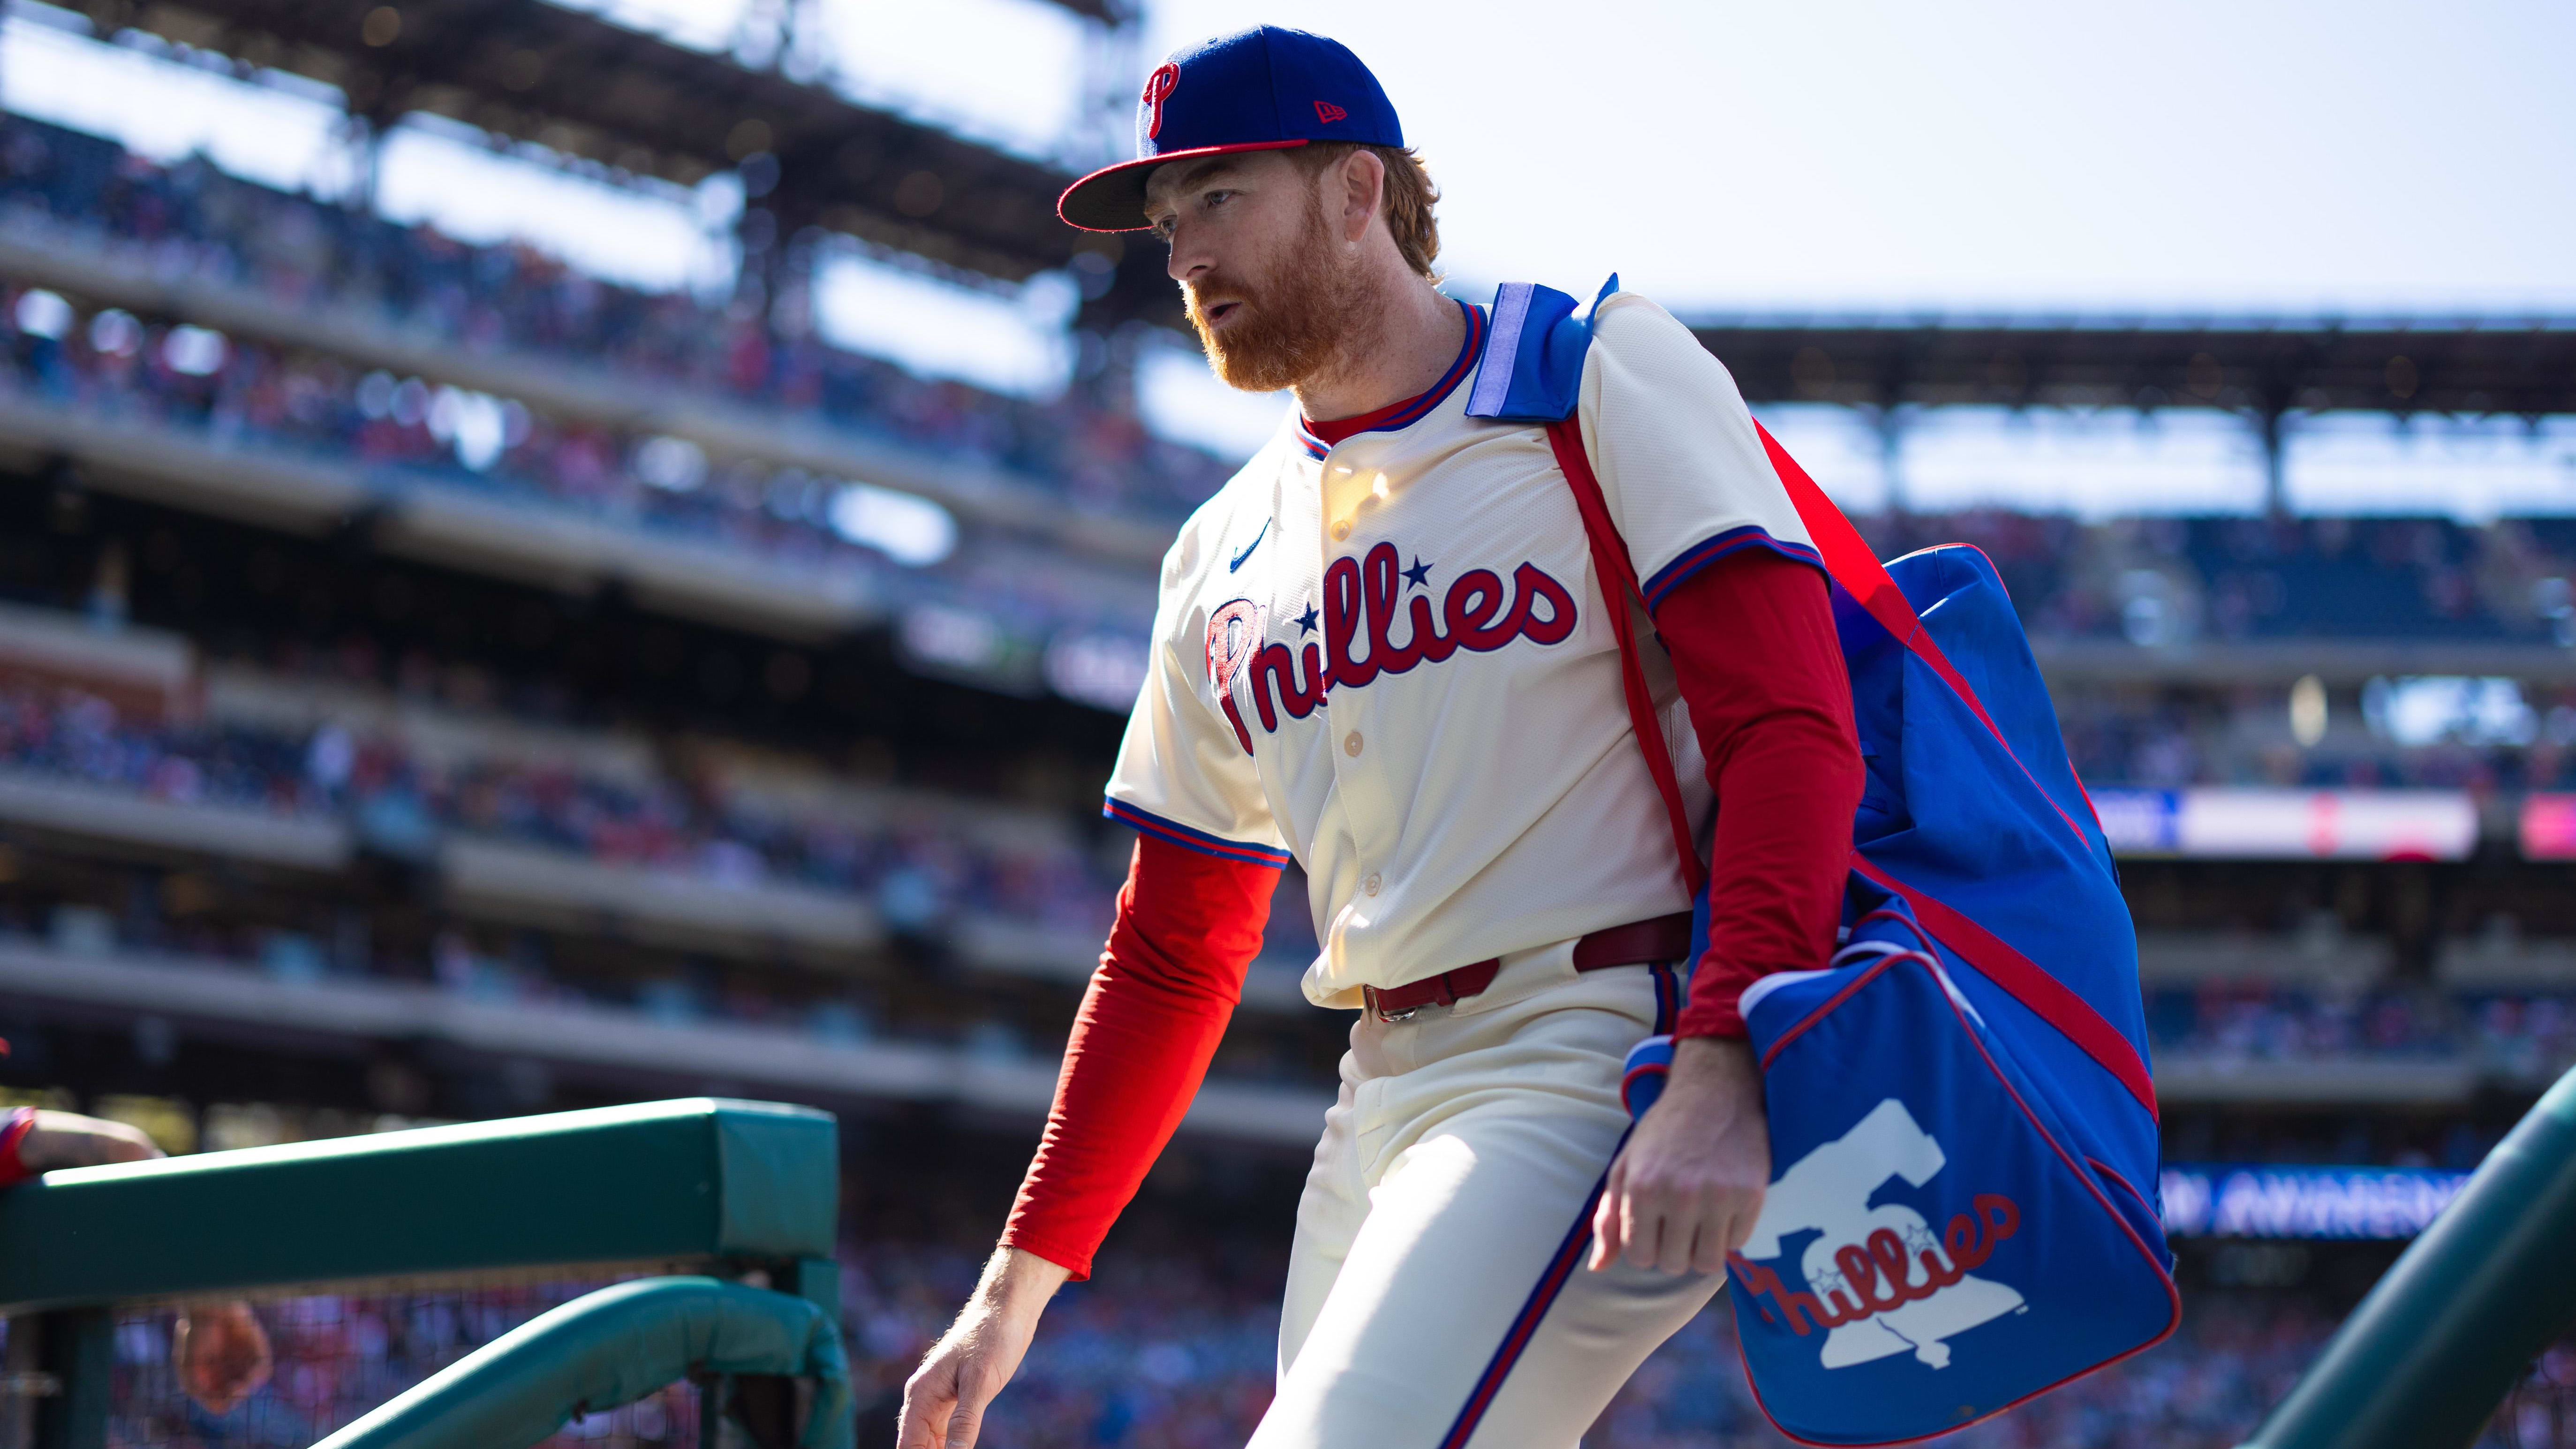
(2428, 1355)
(688, 1180)
(610, 1348)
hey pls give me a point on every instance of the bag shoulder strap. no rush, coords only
(1610, 559)
(1847, 559)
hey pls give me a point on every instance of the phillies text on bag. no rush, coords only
(1963, 1129)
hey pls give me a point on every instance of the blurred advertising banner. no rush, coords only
(2549, 827)
(2257, 824)
(2221, 1200)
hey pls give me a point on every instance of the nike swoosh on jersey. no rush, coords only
(1236, 562)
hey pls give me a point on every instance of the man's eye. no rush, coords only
(1216, 197)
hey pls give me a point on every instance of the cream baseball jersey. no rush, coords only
(1388, 656)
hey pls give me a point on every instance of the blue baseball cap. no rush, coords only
(1263, 89)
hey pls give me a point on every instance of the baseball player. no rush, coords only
(1382, 651)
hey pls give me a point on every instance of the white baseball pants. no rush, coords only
(1437, 1293)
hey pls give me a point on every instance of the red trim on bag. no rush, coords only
(1899, 917)
(2173, 1295)
(1837, 999)
(1848, 559)
(2023, 980)
(2113, 1173)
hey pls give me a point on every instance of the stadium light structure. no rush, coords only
(620, 98)
(2261, 369)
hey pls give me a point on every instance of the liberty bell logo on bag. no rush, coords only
(1878, 1281)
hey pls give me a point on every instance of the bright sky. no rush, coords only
(1980, 156)
(2285, 155)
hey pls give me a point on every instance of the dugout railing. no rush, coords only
(2456, 1323)
(710, 1223)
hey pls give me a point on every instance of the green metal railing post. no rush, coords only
(712, 1391)
(613, 1347)
(2428, 1355)
(78, 1347)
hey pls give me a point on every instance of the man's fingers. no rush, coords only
(1709, 1244)
(1644, 1217)
(924, 1426)
(1748, 1211)
(1682, 1223)
(1605, 1214)
(964, 1426)
(1743, 1208)
(1605, 1232)
(925, 1413)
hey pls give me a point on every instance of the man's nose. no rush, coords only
(1189, 260)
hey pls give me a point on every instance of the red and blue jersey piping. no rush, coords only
(1318, 438)
(1191, 839)
(1717, 546)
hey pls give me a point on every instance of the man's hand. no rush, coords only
(68, 1139)
(944, 1400)
(221, 1354)
(1686, 1189)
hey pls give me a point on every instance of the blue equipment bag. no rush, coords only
(1963, 1211)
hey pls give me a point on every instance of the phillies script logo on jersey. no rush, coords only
(1367, 603)
(1878, 1281)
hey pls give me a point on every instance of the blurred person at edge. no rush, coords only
(219, 1349)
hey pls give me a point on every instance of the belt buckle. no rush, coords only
(1378, 1010)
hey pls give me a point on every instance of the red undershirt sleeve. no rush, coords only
(1188, 925)
(1752, 640)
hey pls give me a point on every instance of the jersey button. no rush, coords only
(1342, 531)
(1371, 884)
(1351, 744)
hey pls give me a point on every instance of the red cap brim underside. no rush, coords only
(1113, 197)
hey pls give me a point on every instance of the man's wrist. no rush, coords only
(1718, 1071)
(1018, 1283)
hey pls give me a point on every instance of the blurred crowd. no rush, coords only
(920, 866)
(2166, 740)
(924, 871)
(1177, 1352)
(2524, 1036)
(2160, 581)
(110, 364)
(2150, 581)
(191, 220)
(340, 1355)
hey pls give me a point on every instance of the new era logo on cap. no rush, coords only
(1255, 90)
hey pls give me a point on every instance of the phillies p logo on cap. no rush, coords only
(1158, 88)
(1263, 89)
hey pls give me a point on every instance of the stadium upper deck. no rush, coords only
(402, 361)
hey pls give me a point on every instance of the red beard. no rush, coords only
(1290, 327)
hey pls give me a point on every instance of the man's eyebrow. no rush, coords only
(1200, 170)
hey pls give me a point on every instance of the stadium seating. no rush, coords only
(301, 254)
(2150, 581)
(1177, 1348)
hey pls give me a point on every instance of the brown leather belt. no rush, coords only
(1665, 938)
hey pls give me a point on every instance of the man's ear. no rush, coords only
(1363, 181)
